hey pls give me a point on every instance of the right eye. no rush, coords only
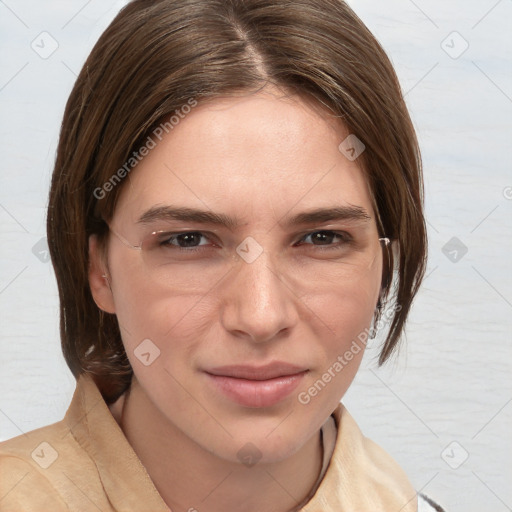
(189, 241)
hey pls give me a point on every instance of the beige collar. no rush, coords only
(361, 476)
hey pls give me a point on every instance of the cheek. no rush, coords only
(173, 322)
(162, 340)
(146, 310)
(345, 309)
(344, 314)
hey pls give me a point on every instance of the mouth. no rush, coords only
(256, 386)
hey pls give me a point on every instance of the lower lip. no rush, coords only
(257, 393)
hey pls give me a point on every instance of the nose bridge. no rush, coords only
(264, 271)
(257, 300)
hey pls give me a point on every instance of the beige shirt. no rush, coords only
(85, 463)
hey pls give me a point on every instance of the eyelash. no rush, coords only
(346, 239)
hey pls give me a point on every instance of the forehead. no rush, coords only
(253, 157)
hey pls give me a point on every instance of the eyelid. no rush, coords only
(327, 230)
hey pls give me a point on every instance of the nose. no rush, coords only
(258, 303)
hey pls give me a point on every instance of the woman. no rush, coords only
(237, 198)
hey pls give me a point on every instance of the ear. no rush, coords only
(99, 278)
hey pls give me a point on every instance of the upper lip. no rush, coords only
(250, 372)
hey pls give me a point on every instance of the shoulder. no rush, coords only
(18, 481)
(372, 467)
(22, 462)
(41, 448)
(37, 469)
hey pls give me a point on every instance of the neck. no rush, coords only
(190, 478)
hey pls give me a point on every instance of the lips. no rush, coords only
(269, 371)
(256, 386)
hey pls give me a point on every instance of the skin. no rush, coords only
(260, 158)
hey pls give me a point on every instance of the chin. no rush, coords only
(269, 441)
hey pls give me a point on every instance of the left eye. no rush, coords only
(325, 238)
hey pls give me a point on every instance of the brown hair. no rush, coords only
(158, 54)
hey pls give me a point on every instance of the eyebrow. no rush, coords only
(313, 216)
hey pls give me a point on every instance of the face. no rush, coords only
(239, 333)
